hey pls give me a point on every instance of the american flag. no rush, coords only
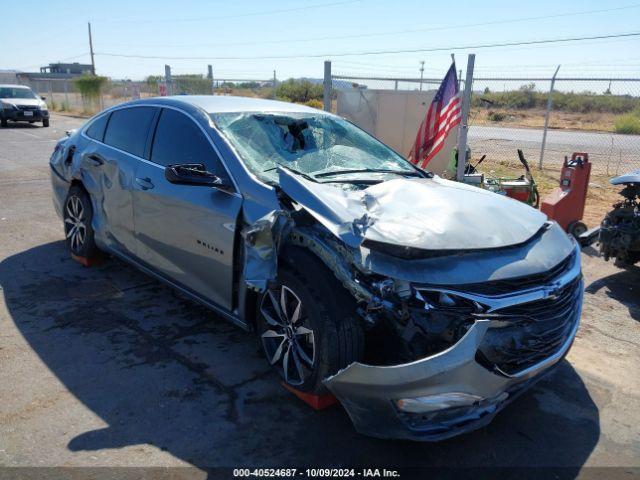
(443, 115)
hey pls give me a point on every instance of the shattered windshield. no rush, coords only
(317, 146)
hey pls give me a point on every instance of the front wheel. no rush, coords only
(45, 122)
(4, 122)
(308, 326)
(78, 214)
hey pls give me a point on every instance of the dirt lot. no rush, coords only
(104, 366)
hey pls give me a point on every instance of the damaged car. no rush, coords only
(424, 305)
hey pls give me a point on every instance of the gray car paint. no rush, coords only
(631, 177)
(166, 249)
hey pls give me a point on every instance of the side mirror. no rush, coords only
(194, 174)
(43, 98)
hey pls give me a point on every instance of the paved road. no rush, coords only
(607, 150)
(104, 366)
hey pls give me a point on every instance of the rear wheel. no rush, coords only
(45, 122)
(3, 122)
(78, 214)
(307, 324)
(576, 229)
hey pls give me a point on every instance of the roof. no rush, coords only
(224, 103)
(12, 85)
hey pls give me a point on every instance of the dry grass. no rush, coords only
(534, 118)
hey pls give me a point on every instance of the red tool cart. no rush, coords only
(566, 204)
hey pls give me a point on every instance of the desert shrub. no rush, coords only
(90, 88)
(299, 91)
(628, 123)
(496, 116)
(314, 103)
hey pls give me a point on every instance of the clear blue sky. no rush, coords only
(184, 28)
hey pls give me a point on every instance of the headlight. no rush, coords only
(43, 108)
(8, 106)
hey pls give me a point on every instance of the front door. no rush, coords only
(186, 232)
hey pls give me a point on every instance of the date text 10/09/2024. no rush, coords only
(316, 472)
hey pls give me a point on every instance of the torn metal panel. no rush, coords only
(430, 214)
(262, 240)
(439, 396)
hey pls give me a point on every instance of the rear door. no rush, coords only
(111, 167)
(186, 232)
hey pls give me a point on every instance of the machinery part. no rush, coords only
(576, 229)
(589, 237)
(78, 214)
(620, 230)
(566, 203)
(305, 336)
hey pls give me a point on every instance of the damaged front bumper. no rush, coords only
(458, 389)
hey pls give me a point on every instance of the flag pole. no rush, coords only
(464, 121)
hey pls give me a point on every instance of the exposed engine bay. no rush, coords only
(620, 230)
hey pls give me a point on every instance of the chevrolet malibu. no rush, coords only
(424, 305)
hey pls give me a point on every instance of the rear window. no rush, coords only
(96, 129)
(128, 128)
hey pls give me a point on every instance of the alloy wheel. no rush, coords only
(289, 343)
(74, 222)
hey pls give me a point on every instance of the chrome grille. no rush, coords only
(523, 335)
(28, 107)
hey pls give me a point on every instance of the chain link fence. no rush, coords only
(600, 116)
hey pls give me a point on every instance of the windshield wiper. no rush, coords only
(297, 172)
(366, 170)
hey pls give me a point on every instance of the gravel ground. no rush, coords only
(104, 366)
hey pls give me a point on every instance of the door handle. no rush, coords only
(144, 183)
(95, 160)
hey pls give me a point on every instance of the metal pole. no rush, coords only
(275, 82)
(66, 90)
(93, 63)
(464, 121)
(326, 96)
(210, 77)
(546, 117)
(396, 85)
(421, 73)
(167, 79)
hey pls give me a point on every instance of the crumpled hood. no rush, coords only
(430, 214)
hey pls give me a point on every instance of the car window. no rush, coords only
(127, 129)
(179, 140)
(96, 129)
(17, 92)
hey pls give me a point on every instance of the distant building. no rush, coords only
(67, 68)
(56, 71)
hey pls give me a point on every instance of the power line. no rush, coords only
(238, 15)
(380, 52)
(394, 32)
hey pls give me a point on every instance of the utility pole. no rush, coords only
(93, 63)
(421, 73)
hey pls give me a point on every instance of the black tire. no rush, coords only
(78, 215)
(576, 229)
(326, 309)
(45, 122)
(4, 122)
